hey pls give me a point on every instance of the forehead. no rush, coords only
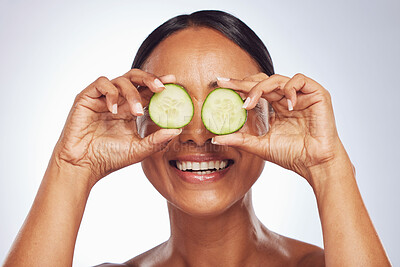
(198, 55)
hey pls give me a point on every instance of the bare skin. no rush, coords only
(211, 224)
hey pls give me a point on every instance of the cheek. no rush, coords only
(148, 166)
(155, 169)
(250, 169)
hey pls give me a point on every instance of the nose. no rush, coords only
(195, 131)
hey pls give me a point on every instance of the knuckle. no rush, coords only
(327, 94)
(133, 72)
(276, 76)
(288, 90)
(151, 77)
(147, 80)
(78, 97)
(151, 139)
(242, 139)
(102, 80)
(256, 91)
(279, 80)
(299, 76)
(146, 143)
(121, 80)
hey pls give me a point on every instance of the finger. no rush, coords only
(130, 93)
(301, 83)
(274, 83)
(273, 96)
(244, 141)
(257, 77)
(258, 85)
(146, 93)
(141, 78)
(235, 84)
(170, 78)
(243, 85)
(303, 101)
(103, 86)
(155, 142)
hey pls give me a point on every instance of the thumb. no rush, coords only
(154, 142)
(247, 142)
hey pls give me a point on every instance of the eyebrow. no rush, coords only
(211, 85)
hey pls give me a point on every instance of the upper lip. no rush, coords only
(200, 157)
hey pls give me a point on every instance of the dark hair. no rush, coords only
(232, 27)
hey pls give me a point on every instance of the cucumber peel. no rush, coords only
(222, 111)
(171, 108)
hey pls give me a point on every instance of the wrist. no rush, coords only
(68, 174)
(338, 169)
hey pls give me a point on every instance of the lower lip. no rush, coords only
(195, 178)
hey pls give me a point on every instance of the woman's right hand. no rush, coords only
(100, 133)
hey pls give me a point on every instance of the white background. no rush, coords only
(51, 50)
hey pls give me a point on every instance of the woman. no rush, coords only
(290, 123)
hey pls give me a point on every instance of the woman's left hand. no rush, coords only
(302, 132)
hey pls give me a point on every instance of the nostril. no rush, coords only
(195, 133)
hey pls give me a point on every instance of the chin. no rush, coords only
(205, 203)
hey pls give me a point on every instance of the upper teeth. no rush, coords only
(204, 165)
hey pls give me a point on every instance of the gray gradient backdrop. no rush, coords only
(51, 50)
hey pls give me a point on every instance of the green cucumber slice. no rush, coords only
(222, 111)
(172, 108)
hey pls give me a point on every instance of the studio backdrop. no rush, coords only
(51, 50)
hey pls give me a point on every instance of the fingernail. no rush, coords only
(177, 131)
(114, 109)
(158, 83)
(172, 133)
(222, 79)
(247, 102)
(138, 108)
(169, 76)
(290, 105)
(214, 142)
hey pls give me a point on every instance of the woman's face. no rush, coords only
(196, 56)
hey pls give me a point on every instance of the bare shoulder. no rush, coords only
(302, 254)
(149, 258)
(156, 256)
(143, 259)
(107, 264)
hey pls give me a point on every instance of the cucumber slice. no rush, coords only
(222, 111)
(171, 108)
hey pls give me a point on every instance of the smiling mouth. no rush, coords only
(202, 167)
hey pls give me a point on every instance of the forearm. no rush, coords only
(48, 235)
(349, 235)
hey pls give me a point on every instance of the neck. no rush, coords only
(226, 239)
